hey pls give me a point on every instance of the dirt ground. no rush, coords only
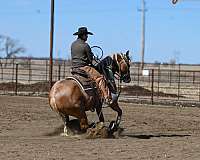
(29, 129)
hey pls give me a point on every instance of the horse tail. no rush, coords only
(53, 104)
(52, 100)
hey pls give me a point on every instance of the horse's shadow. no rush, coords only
(120, 133)
(57, 131)
(156, 135)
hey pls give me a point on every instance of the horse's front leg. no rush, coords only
(84, 122)
(115, 107)
(100, 113)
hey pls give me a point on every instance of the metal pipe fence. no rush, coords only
(180, 83)
(160, 82)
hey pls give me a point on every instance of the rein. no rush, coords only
(119, 87)
(119, 74)
(119, 82)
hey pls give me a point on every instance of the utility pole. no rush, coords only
(51, 45)
(143, 10)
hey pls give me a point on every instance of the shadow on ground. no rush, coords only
(149, 136)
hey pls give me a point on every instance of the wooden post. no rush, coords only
(152, 83)
(51, 45)
(30, 71)
(59, 68)
(193, 77)
(138, 72)
(159, 75)
(179, 80)
(1, 71)
(16, 79)
(170, 77)
(199, 87)
(13, 70)
(64, 70)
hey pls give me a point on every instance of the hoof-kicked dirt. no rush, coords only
(29, 129)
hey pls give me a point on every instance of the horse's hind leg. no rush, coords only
(83, 117)
(65, 119)
(83, 121)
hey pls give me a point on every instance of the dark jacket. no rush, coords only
(108, 67)
(81, 54)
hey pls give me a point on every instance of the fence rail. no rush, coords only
(161, 81)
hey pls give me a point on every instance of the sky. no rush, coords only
(171, 32)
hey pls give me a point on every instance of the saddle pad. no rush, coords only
(89, 87)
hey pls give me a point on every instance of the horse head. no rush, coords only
(123, 65)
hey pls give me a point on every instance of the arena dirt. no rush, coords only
(29, 129)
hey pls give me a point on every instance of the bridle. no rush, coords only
(119, 76)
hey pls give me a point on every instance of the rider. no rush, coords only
(82, 58)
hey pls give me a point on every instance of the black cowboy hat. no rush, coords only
(82, 30)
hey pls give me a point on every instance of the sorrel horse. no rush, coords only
(68, 98)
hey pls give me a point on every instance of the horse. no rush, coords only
(68, 98)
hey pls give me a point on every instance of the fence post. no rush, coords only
(138, 72)
(30, 71)
(193, 77)
(199, 91)
(64, 70)
(16, 78)
(159, 75)
(179, 79)
(152, 82)
(149, 79)
(46, 68)
(170, 77)
(1, 72)
(59, 67)
(13, 69)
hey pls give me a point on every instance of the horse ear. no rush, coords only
(127, 54)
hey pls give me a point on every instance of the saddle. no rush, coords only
(89, 87)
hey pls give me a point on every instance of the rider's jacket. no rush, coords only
(81, 53)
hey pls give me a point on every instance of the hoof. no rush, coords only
(64, 134)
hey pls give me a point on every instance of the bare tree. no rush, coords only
(10, 47)
(1, 43)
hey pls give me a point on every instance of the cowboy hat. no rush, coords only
(82, 30)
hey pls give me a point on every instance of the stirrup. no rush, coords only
(107, 102)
